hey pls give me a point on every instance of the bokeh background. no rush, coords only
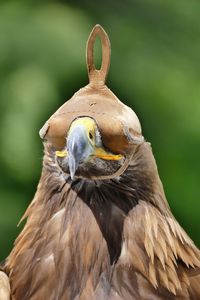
(154, 68)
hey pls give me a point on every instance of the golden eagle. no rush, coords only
(99, 226)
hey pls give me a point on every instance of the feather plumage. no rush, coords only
(113, 239)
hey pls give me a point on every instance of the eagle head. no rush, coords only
(94, 134)
(84, 154)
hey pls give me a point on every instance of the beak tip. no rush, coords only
(72, 166)
(72, 175)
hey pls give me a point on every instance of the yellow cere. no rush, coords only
(88, 123)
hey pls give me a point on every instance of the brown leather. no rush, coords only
(98, 77)
(118, 124)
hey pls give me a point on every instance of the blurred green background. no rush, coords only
(154, 68)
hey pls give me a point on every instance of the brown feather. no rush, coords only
(112, 239)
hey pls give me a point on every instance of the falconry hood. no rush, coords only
(118, 124)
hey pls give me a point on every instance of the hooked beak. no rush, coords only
(81, 145)
(79, 148)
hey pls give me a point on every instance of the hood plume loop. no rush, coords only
(98, 77)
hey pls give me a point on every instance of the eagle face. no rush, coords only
(84, 154)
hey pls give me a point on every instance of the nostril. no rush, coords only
(90, 135)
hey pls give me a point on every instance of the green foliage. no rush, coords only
(154, 69)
